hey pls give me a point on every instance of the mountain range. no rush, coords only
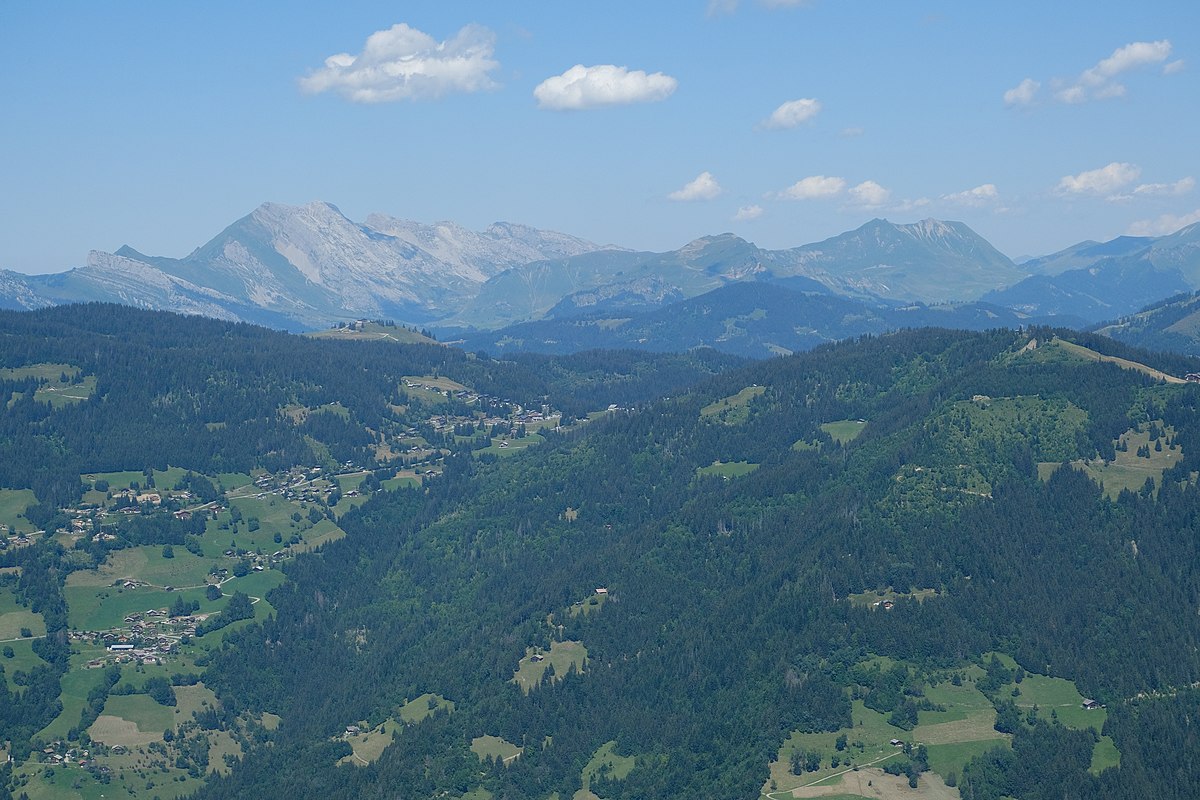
(307, 267)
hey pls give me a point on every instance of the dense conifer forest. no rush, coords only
(739, 555)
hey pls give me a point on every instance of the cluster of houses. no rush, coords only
(150, 637)
(61, 753)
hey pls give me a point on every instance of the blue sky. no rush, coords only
(646, 125)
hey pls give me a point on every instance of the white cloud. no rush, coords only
(402, 63)
(814, 186)
(851, 132)
(746, 213)
(1181, 186)
(1023, 93)
(792, 113)
(1105, 180)
(583, 87)
(979, 196)
(869, 194)
(1099, 82)
(1173, 67)
(721, 7)
(1167, 223)
(704, 187)
(905, 206)
(1125, 58)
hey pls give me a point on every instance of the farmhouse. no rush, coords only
(1091, 705)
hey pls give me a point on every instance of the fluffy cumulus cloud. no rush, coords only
(1023, 93)
(1106, 180)
(813, 187)
(979, 196)
(1167, 223)
(583, 87)
(704, 187)
(792, 113)
(403, 63)
(747, 213)
(869, 194)
(1099, 82)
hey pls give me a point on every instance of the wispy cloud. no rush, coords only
(792, 113)
(1167, 223)
(747, 213)
(1099, 82)
(979, 196)
(851, 132)
(1106, 180)
(1181, 186)
(403, 63)
(813, 187)
(1023, 93)
(601, 85)
(1174, 67)
(703, 187)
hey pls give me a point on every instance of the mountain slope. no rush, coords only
(749, 318)
(1102, 281)
(929, 261)
(306, 266)
(1106, 289)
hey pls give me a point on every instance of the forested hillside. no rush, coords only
(903, 561)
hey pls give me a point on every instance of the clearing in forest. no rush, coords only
(426, 705)
(561, 655)
(727, 469)
(844, 430)
(1138, 457)
(732, 410)
(1061, 350)
(490, 747)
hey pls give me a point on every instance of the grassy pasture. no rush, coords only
(369, 746)
(1058, 349)
(844, 430)
(423, 707)
(953, 736)
(491, 747)
(97, 609)
(869, 599)
(373, 332)
(727, 469)
(13, 503)
(514, 446)
(14, 617)
(561, 654)
(1128, 470)
(146, 563)
(116, 480)
(867, 741)
(23, 660)
(45, 372)
(605, 761)
(76, 684)
(132, 720)
(405, 479)
(62, 394)
(585, 607)
(732, 410)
